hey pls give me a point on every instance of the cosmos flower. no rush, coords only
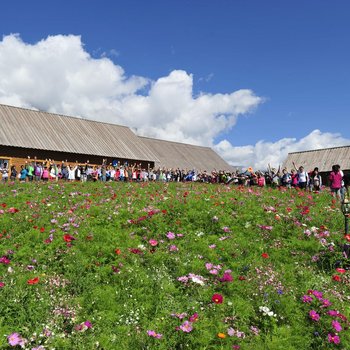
(217, 298)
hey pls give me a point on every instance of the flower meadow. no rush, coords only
(171, 266)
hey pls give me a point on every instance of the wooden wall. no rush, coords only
(18, 156)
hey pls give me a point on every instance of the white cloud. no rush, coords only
(58, 75)
(274, 153)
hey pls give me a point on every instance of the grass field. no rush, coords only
(177, 266)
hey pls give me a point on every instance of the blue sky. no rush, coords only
(294, 55)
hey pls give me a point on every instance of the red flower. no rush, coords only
(347, 237)
(336, 278)
(217, 298)
(265, 255)
(118, 251)
(33, 281)
(241, 278)
(42, 229)
(340, 270)
(68, 238)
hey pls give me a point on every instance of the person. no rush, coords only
(274, 176)
(45, 174)
(342, 189)
(38, 170)
(30, 170)
(346, 179)
(286, 178)
(315, 180)
(23, 173)
(303, 177)
(261, 179)
(13, 174)
(71, 172)
(5, 173)
(295, 179)
(335, 179)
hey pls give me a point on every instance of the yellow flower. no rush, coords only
(222, 335)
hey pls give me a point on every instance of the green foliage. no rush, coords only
(132, 258)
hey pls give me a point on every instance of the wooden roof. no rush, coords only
(184, 156)
(321, 158)
(52, 132)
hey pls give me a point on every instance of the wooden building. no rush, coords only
(323, 159)
(30, 133)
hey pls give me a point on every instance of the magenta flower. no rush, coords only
(336, 325)
(88, 324)
(314, 315)
(194, 317)
(332, 338)
(14, 339)
(307, 299)
(2, 284)
(4, 260)
(317, 294)
(227, 277)
(326, 303)
(186, 327)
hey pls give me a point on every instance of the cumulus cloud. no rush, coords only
(274, 153)
(58, 75)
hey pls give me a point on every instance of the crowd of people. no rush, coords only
(298, 177)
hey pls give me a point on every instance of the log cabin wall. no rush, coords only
(19, 156)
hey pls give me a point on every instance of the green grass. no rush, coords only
(112, 275)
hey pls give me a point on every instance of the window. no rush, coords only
(4, 162)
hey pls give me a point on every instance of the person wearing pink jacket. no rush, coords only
(335, 179)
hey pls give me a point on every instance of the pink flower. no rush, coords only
(2, 284)
(314, 315)
(153, 242)
(332, 338)
(153, 334)
(14, 339)
(170, 235)
(173, 248)
(336, 325)
(186, 327)
(208, 266)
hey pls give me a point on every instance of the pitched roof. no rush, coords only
(47, 131)
(321, 158)
(184, 156)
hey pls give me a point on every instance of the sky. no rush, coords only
(254, 80)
